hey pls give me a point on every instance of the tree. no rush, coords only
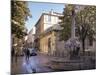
(66, 22)
(86, 24)
(19, 14)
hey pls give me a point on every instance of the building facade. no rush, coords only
(30, 38)
(47, 29)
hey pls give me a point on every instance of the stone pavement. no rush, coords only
(36, 64)
(44, 63)
(63, 64)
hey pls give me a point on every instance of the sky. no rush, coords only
(37, 8)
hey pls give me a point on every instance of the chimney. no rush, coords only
(51, 12)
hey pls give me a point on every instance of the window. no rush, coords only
(49, 18)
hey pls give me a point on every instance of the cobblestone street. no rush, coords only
(35, 64)
(43, 63)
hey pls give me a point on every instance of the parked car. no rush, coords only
(32, 52)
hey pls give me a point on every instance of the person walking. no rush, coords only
(12, 54)
(27, 54)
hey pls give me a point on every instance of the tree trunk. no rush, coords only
(83, 46)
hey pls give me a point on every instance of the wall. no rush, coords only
(44, 43)
(47, 24)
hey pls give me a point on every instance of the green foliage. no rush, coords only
(19, 14)
(86, 22)
(66, 22)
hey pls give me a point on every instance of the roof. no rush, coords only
(55, 27)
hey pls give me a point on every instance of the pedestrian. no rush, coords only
(27, 54)
(12, 54)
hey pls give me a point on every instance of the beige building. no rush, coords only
(47, 29)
